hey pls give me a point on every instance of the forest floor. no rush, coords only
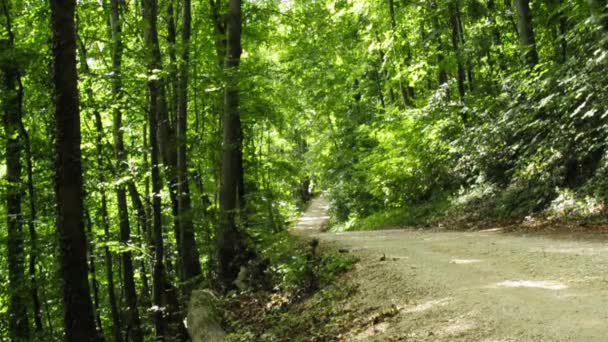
(438, 285)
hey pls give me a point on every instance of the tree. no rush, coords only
(228, 235)
(525, 28)
(191, 266)
(457, 34)
(133, 323)
(102, 169)
(79, 320)
(157, 105)
(12, 112)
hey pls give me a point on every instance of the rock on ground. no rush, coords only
(203, 318)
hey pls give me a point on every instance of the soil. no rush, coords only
(439, 285)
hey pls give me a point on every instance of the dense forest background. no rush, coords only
(151, 147)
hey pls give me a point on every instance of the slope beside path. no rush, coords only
(474, 286)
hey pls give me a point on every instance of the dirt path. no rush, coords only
(481, 286)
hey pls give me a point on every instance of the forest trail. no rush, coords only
(472, 286)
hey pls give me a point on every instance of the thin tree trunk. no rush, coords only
(172, 81)
(167, 120)
(79, 321)
(456, 41)
(378, 80)
(93, 273)
(405, 91)
(562, 29)
(33, 217)
(19, 328)
(191, 266)
(133, 322)
(105, 217)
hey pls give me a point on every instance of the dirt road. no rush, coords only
(478, 286)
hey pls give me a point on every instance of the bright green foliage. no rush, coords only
(360, 98)
(527, 133)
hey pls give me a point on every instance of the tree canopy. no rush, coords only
(152, 147)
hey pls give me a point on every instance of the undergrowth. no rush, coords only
(293, 310)
(422, 214)
(483, 205)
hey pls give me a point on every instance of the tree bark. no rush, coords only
(19, 328)
(191, 266)
(228, 237)
(79, 322)
(525, 28)
(155, 86)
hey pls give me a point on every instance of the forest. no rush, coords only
(155, 147)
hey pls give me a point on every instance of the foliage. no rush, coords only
(289, 312)
(404, 112)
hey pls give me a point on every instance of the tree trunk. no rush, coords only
(191, 266)
(133, 323)
(19, 328)
(79, 321)
(105, 216)
(228, 237)
(526, 32)
(144, 235)
(93, 275)
(155, 86)
(406, 92)
(172, 67)
(563, 40)
(33, 217)
(455, 21)
(167, 121)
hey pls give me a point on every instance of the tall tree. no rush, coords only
(19, 328)
(191, 266)
(79, 321)
(525, 28)
(228, 235)
(457, 34)
(103, 208)
(133, 323)
(155, 86)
